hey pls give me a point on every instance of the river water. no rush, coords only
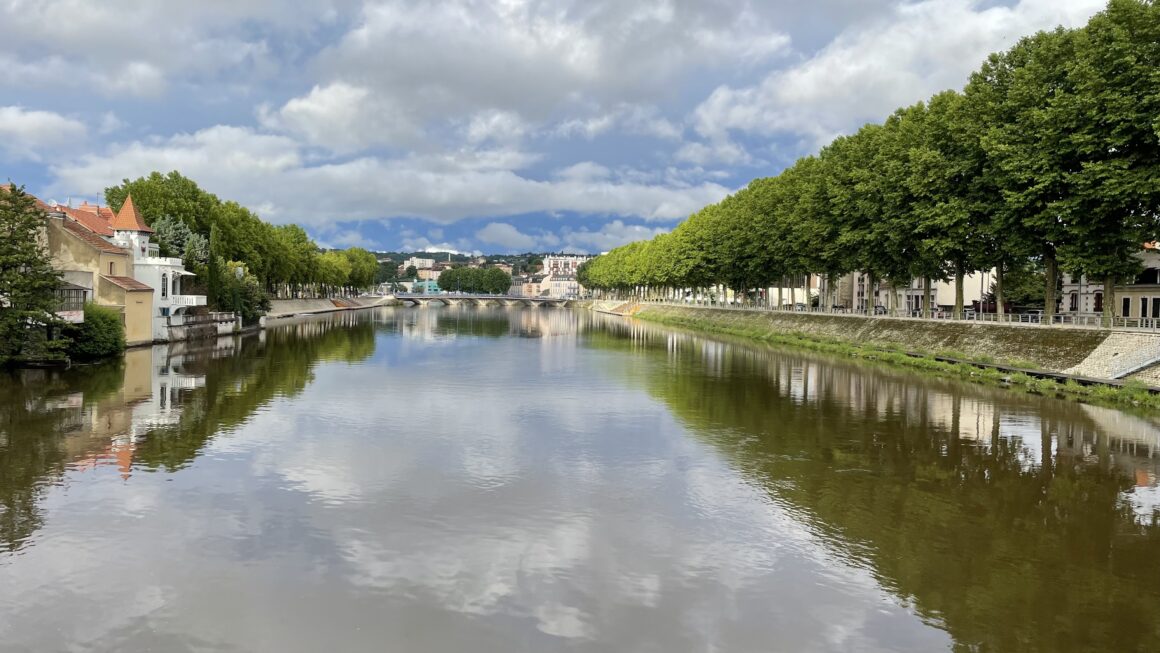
(483, 480)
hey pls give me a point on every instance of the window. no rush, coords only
(1074, 302)
(164, 286)
(1156, 307)
(1143, 307)
(1127, 307)
(112, 270)
(175, 279)
(1099, 303)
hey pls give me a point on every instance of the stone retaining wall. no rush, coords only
(1053, 349)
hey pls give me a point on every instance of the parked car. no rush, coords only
(880, 310)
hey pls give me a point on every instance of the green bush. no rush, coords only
(101, 335)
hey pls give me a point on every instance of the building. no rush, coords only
(162, 274)
(419, 263)
(426, 287)
(850, 292)
(429, 274)
(560, 286)
(526, 286)
(108, 258)
(563, 264)
(1140, 298)
(102, 270)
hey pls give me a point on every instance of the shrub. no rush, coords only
(101, 335)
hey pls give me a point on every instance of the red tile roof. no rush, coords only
(129, 218)
(94, 218)
(128, 283)
(92, 239)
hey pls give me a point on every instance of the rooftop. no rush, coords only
(129, 218)
(92, 238)
(128, 283)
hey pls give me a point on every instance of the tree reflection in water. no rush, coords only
(1015, 522)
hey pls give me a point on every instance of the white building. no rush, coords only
(419, 263)
(563, 264)
(560, 286)
(162, 274)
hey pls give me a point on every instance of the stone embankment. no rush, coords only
(280, 308)
(1094, 353)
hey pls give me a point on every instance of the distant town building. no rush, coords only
(426, 287)
(851, 291)
(419, 263)
(563, 264)
(1140, 298)
(560, 286)
(429, 274)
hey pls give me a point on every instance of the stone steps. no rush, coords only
(1120, 355)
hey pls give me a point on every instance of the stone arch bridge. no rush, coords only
(480, 300)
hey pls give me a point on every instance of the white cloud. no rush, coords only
(613, 234)
(868, 71)
(341, 117)
(32, 134)
(506, 236)
(718, 150)
(495, 126)
(269, 173)
(140, 48)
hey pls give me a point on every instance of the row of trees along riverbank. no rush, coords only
(241, 260)
(1049, 155)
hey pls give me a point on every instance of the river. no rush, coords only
(499, 480)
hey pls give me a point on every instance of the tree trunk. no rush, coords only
(999, 309)
(869, 294)
(779, 294)
(960, 275)
(1051, 267)
(926, 297)
(1110, 300)
(792, 298)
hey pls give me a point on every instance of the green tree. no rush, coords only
(28, 282)
(1110, 143)
(101, 335)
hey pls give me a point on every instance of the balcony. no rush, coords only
(187, 300)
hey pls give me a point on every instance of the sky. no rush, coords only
(470, 125)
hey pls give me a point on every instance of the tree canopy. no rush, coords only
(1051, 155)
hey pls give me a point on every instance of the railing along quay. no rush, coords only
(1085, 321)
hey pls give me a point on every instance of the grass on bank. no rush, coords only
(1132, 393)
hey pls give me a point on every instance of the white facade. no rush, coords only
(419, 263)
(560, 287)
(563, 265)
(163, 275)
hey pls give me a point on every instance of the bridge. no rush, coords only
(455, 299)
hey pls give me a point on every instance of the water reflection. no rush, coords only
(542, 479)
(154, 409)
(1016, 522)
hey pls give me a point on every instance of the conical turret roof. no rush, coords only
(129, 218)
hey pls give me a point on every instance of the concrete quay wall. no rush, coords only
(1076, 351)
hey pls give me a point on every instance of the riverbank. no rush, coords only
(1041, 360)
(282, 308)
